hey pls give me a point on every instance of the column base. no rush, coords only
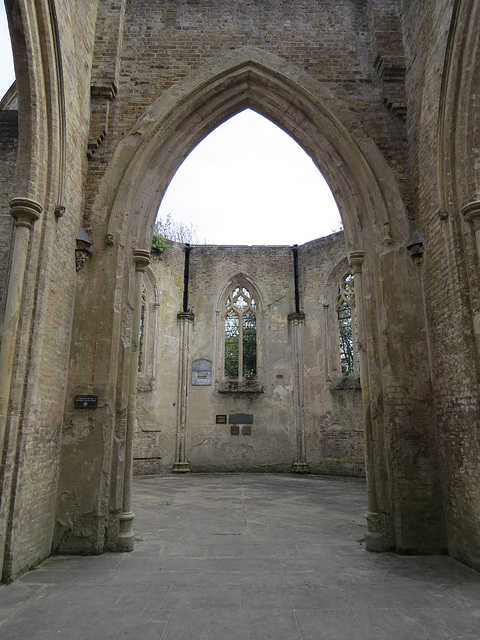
(379, 537)
(300, 467)
(126, 534)
(181, 467)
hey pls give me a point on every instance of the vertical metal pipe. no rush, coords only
(186, 277)
(297, 278)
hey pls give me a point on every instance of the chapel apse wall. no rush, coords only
(333, 414)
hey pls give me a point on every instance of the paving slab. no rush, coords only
(243, 557)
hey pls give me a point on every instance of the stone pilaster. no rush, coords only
(375, 538)
(126, 534)
(185, 320)
(25, 213)
(297, 324)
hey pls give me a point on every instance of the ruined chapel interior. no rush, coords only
(355, 354)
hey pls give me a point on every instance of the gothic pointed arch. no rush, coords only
(376, 229)
(146, 160)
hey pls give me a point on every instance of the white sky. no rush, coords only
(246, 183)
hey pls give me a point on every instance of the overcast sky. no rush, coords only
(246, 183)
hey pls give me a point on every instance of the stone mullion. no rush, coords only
(240, 346)
(126, 534)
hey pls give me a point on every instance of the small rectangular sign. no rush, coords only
(241, 418)
(221, 419)
(85, 402)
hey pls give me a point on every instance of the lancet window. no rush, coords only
(240, 338)
(347, 325)
(141, 335)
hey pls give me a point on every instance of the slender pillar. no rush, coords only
(375, 538)
(25, 212)
(297, 321)
(126, 534)
(185, 320)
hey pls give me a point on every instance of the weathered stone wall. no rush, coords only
(37, 394)
(333, 401)
(333, 419)
(8, 170)
(447, 268)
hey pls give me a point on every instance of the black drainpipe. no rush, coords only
(295, 270)
(186, 274)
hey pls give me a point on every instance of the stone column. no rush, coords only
(297, 323)
(374, 539)
(126, 535)
(25, 213)
(181, 465)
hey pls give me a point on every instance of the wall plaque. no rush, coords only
(85, 402)
(201, 373)
(241, 418)
(221, 419)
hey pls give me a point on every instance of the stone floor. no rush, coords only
(237, 557)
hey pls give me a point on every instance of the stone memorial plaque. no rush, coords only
(85, 402)
(221, 419)
(201, 373)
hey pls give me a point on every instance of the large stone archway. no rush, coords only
(405, 511)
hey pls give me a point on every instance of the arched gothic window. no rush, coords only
(141, 336)
(347, 325)
(240, 337)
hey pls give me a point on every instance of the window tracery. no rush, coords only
(347, 325)
(240, 335)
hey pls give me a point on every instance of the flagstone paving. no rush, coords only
(243, 557)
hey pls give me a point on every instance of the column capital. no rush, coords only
(471, 213)
(296, 318)
(25, 212)
(141, 258)
(355, 260)
(186, 316)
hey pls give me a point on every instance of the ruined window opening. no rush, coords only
(240, 360)
(347, 325)
(141, 333)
